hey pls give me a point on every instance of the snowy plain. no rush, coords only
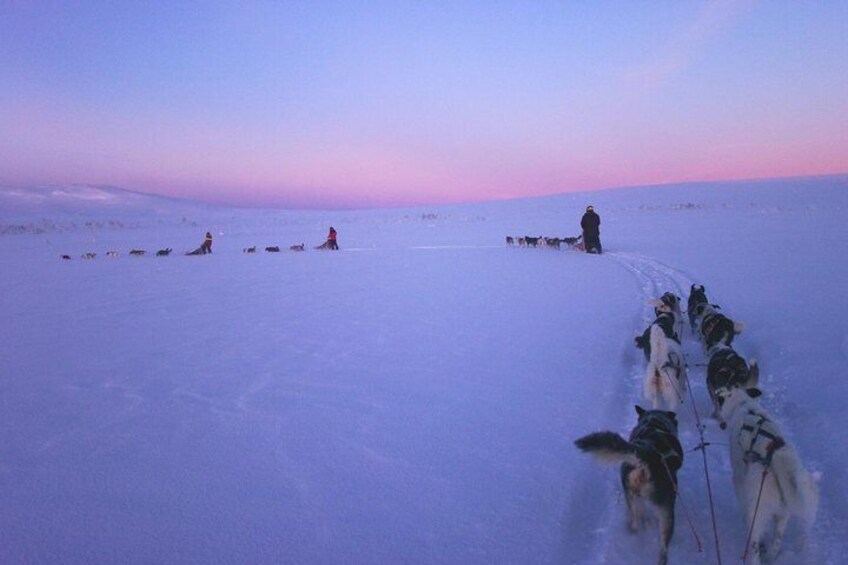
(412, 398)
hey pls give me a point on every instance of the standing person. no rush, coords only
(591, 224)
(207, 244)
(331, 239)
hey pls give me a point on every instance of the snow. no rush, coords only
(411, 398)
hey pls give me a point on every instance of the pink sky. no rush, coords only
(341, 105)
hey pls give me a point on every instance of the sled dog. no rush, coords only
(717, 328)
(272, 249)
(665, 320)
(137, 252)
(665, 377)
(301, 247)
(765, 467)
(727, 369)
(164, 252)
(649, 464)
(669, 302)
(695, 306)
(249, 249)
(510, 240)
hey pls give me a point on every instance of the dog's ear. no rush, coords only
(754, 392)
(640, 411)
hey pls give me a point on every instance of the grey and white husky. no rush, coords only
(770, 482)
(649, 462)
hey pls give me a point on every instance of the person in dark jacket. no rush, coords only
(591, 224)
(207, 244)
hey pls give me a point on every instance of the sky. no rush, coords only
(368, 104)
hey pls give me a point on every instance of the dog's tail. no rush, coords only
(753, 374)
(799, 486)
(608, 447)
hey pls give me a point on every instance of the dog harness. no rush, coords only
(656, 437)
(762, 443)
(726, 367)
(712, 327)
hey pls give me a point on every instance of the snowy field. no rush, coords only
(412, 398)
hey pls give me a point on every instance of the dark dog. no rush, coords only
(250, 249)
(649, 464)
(112, 254)
(273, 249)
(66, 257)
(510, 240)
(717, 328)
(572, 241)
(301, 247)
(88, 255)
(697, 302)
(553, 242)
(137, 252)
(531, 241)
(164, 252)
(727, 369)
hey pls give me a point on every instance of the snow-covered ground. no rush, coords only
(412, 398)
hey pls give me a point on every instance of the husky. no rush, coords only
(510, 240)
(112, 254)
(666, 321)
(301, 247)
(572, 241)
(552, 242)
(137, 252)
(695, 306)
(717, 328)
(665, 377)
(669, 302)
(770, 481)
(727, 369)
(649, 464)
(531, 241)
(66, 257)
(88, 255)
(249, 249)
(273, 249)
(164, 252)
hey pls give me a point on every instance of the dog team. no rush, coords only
(770, 482)
(541, 241)
(206, 248)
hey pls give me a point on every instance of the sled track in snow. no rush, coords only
(616, 545)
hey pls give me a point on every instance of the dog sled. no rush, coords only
(329, 245)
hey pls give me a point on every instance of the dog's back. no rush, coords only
(716, 328)
(726, 368)
(665, 376)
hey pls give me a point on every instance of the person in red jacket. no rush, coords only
(331, 239)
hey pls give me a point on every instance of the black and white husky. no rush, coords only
(766, 468)
(669, 302)
(695, 305)
(666, 322)
(665, 377)
(727, 369)
(716, 328)
(649, 464)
